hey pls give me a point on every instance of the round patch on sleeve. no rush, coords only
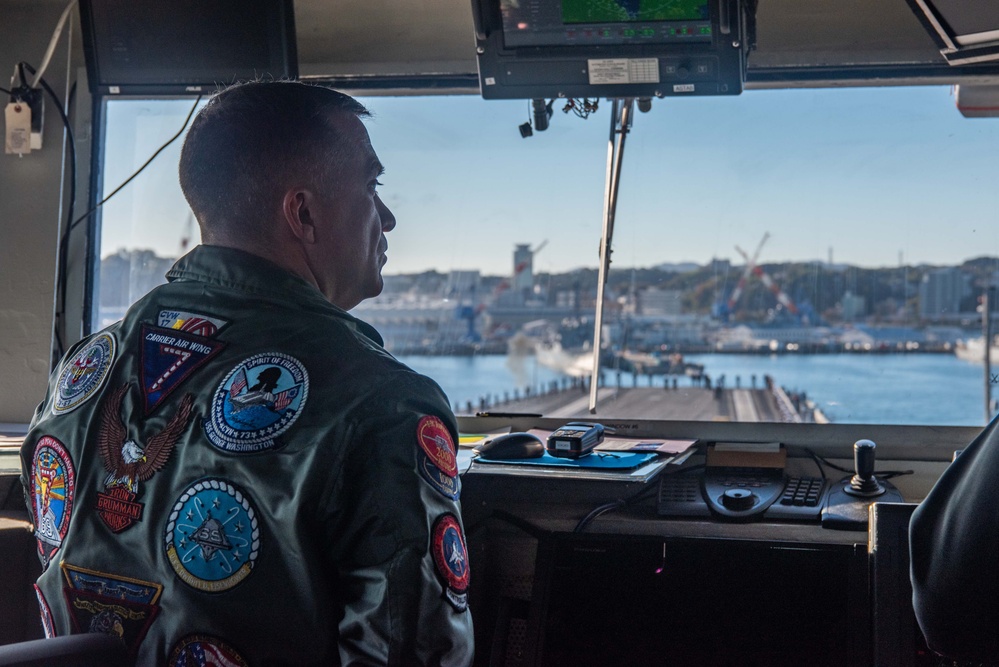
(203, 650)
(53, 484)
(435, 441)
(84, 374)
(447, 544)
(43, 607)
(212, 536)
(257, 401)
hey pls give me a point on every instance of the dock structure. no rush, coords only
(682, 404)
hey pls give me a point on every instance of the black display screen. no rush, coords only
(613, 22)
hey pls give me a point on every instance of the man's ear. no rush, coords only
(295, 210)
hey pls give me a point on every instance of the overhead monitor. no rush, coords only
(609, 48)
(966, 31)
(185, 46)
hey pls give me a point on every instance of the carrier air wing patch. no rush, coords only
(128, 463)
(167, 357)
(195, 323)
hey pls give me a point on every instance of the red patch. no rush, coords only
(435, 440)
(450, 554)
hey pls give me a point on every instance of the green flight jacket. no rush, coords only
(239, 469)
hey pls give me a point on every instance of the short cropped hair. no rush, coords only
(250, 140)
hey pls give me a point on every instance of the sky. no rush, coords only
(866, 176)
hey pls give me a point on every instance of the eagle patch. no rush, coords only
(129, 462)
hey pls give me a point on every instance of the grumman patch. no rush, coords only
(447, 545)
(114, 586)
(435, 440)
(195, 323)
(444, 484)
(204, 650)
(43, 608)
(84, 374)
(212, 536)
(129, 462)
(257, 401)
(167, 358)
(53, 484)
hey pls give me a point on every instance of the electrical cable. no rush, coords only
(502, 515)
(615, 504)
(5, 91)
(52, 44)
(61, 261)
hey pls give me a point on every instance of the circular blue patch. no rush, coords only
(84, 374)
(447, 546)
(212, 536)
(443, 483)
(257, 401)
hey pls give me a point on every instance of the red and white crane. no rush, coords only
(752, 268)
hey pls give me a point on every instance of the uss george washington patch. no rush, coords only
(203, 650)
(212, 536)
(447, 545)
(52, 487)
(257, 401)
(84, 374)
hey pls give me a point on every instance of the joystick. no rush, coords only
(864, 484)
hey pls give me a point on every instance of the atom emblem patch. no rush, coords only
(203, 650)
(435, 441)
(53, 483)
(257, 401)
(43, 608)
(212, 536)
(447, 545)
(84, 374)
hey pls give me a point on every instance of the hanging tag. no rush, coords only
(17, 137)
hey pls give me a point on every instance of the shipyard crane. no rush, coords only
(754, 269)
(471, 314)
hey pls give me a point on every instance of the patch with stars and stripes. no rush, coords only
(256, 403)
(204, 651)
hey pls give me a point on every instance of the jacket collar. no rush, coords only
(245, 272)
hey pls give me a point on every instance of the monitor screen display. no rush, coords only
(542, 23)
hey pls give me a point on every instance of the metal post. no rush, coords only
(987, 340)
(619, 127)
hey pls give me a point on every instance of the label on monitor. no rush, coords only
(610, 71)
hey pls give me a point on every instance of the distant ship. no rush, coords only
(973, 350)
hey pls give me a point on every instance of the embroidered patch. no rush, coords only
(128, 462)
(444, 484)
(53, 483)
(167, 358)
(204, 650)
(84, 374)
(195, 323)
(212, 536)
(127, 620)
(114, 586)
(258, 401)
(43, 608)
(447, 544)
(435, 440)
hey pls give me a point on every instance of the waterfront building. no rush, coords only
(940, 294)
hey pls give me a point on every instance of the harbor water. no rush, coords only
(916, 389)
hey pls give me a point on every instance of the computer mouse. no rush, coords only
(511, 446)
